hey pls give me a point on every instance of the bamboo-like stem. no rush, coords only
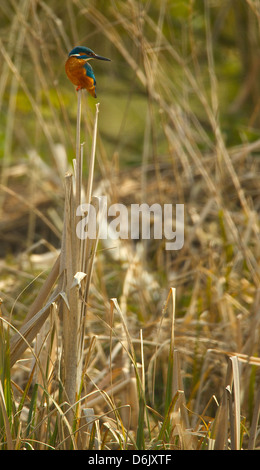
(78, 256)
(92, 158)
(85, 250)
(88, 247)
(78, 172)
(78, 154)
(70, 311)
(71, 259)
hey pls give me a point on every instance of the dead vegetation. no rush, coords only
(120, 344)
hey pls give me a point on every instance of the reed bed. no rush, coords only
(121, 344)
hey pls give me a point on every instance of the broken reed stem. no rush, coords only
(79, 257)
(72, 365)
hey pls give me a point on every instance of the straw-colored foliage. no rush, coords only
(121, 344)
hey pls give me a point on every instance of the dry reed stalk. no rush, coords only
(129, 395)
(78, 166)
(220, 425)
(70, 294)
(77, 255)
(170, 392)
(70, 309)
(235, 406)
(229, 411)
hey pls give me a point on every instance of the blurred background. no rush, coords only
(179, 122)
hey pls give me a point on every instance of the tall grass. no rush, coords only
(108, 344)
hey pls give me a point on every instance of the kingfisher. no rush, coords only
(79, 71)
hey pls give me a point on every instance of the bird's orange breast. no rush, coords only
(76, 72)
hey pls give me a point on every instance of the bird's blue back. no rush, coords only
(89, 71)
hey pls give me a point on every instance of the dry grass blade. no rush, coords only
(20, 341)
(6, 420)
(170, 376)
(44, 291)
(114, 303)
(220, 425)
(220, 428)
(35, 317)
(235, 407)
(253, 429)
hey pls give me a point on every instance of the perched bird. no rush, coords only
(79, 71)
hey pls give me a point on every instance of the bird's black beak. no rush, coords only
(99, 57)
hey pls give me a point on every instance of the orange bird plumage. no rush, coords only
(79, 71)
